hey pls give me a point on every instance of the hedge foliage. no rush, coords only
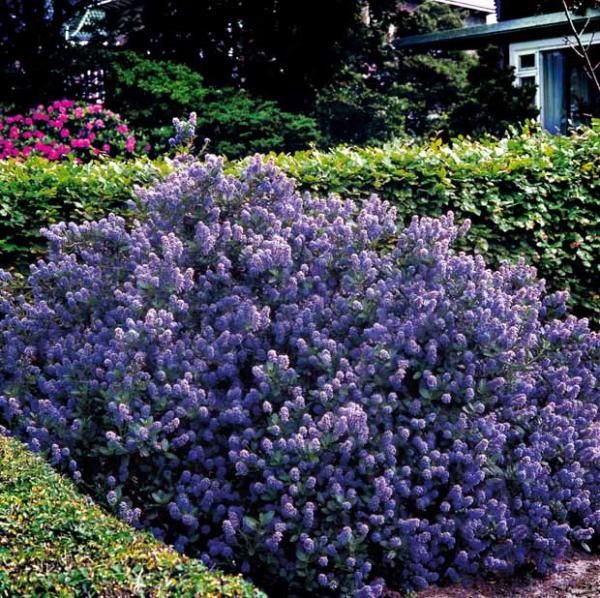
(531, 194)
(55, 542)
(37, 192)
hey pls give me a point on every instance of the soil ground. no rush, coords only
(577, 576)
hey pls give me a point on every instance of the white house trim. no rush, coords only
(480, 5)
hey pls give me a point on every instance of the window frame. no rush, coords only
(537, 47)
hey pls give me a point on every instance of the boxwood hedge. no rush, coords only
(53, 542)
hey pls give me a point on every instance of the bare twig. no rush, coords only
(580, 48)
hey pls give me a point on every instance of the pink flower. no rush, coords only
(92, 136)
(99, 123)
(27, 135)
(122, 129)
(130, 145)
(106, 147)
(14, 133)
(80, 143)
(65, 133)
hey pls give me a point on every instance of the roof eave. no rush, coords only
(504, 32)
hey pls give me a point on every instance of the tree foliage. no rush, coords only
(381, 93)
(149, 92)
(514, 9)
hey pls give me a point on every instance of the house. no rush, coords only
(90, 21)
(478, 12)
(540, 48)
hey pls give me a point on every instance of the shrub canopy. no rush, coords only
(244, 373)
(37, 192)
(530, 194)
(65, 130)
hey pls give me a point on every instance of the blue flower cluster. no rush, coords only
(244, 372)
(185, 131)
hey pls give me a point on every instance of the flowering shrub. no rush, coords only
(530, 193)
(66, 129)
(244, 373)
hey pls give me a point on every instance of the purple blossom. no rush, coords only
(247, 374)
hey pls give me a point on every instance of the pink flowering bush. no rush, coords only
(243, 372)
(66, 129)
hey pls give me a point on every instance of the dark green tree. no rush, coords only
(490, 102)
(277, 49)
(148, 93)
(380, 92)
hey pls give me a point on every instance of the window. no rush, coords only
(564, 94)
(526, 61)
(569, 98)
(527, 81)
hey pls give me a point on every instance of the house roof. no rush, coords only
(528, 28)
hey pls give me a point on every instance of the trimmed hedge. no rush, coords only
(55, 542)
(35, 193)
(531, 194)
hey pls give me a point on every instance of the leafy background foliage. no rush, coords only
(531, 194)
(295, 78)
(37, 192)
(148, 92)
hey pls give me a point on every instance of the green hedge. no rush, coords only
(53, 542)
(35, 193)
(531, 194)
